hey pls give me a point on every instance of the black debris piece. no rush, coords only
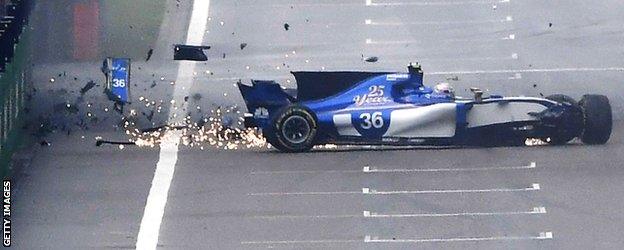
(189, 52)
(186, 99)
(243, 45)
(87, 87)
(286, 26)
(534, 85)
(223, 55)
(372, 59)
(549, 25)
(149, 54)
(153, 84)
(44, 143)
(452, 78)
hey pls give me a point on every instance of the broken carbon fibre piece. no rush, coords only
(189, 52)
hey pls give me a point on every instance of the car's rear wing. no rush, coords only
(262, 99)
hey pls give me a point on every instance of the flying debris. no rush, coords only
(190, 52)
(452, 78)
(87, 87)
(243, 45)
(372, 59)
(286, 26)
(149, 54)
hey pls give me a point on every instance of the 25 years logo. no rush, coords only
(375, 95)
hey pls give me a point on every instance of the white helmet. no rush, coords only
(444, 88)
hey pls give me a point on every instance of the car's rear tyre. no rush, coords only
(570, 129)
(293, 129)
(598, 119)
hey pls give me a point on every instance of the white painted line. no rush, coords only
(506, 71)
(305, 172)
(453, 59)
(432, 3)
(375, 239)
(157, 197)
(541, 236)
(369, 191)
(516, 76)
(288, 242)
(369, 214)
(369, 169)
(535, 210)
(303, 193)
(329, 216)
(403, 23)
(533, 187)
(389, 42)
(509, 37)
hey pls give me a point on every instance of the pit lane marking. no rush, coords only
(505, 71)
(370, 41)
(373, 169)
(369, 214)
(540, 236)
(368, 239)
(149, 228)
(431, 3)
(370, 191)
(535, 210)
(386, 23)
(513, 56)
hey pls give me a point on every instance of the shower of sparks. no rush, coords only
(222, 128)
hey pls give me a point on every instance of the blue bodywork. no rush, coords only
(369, 103)
(117, 71)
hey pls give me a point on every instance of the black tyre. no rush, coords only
(570, 128)
(598, 120)
(293, 129)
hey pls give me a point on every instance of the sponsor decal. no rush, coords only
(394, 77)
(261, 112)
(374, 96)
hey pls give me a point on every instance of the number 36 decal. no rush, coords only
(374, 120)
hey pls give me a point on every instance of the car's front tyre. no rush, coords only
(293, 129)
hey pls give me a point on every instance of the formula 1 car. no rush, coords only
(382, 108)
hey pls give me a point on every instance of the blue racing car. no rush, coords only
(388, 108)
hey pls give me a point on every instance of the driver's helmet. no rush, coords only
(444, 88)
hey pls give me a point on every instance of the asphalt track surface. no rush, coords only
(75, 195)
